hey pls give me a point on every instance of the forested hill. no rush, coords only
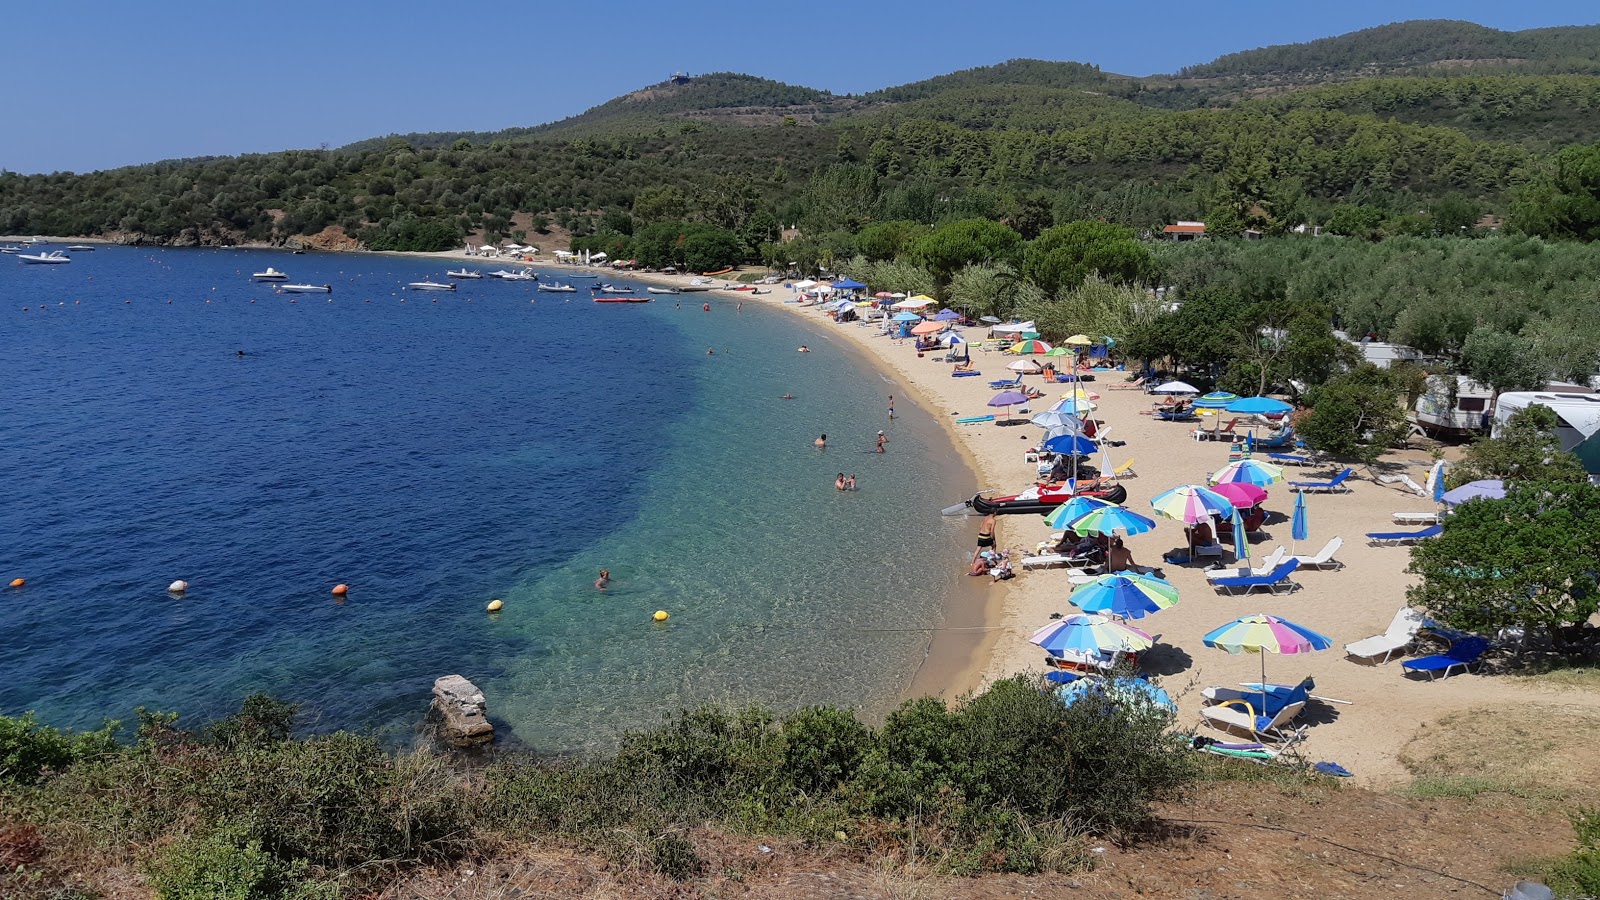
(1418, 44)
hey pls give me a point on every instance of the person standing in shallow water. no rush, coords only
(891, 407)
(820, 443)
(882, 439)
(604, 579)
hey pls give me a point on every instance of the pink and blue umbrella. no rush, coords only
(1488, 489)
(1090, 635)
(1073, 510)
(1263, 635)
(1191, 504)
(1110, 520)
(1248, 471)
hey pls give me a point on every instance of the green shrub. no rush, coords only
(222, 865)
(822, 748)
(30, 751)
(1578, 875)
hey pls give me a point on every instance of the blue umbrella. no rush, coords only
(1258, 406)
(1241, 544)
(848, 285)
(1112, 519)
(1298, 529)
(906, 317)
(1488, 489)
(1437, 477)
(1073, 510)
(1068, 444)
(1126, 594)
(1135, 692)
(947, 315)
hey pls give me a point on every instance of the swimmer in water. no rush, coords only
(788, 396)
(604, 579)
(850, 482)
(882, 439)
(820, 443)
(839, 483)
(708, 351)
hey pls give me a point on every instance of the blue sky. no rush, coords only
(100, 84)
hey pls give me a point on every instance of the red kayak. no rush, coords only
(622, 299)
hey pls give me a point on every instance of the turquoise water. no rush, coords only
(435, 455)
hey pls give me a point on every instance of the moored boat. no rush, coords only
(524, 275)
(270, 274)
(465, 273)
(622, 299)
(306, 288)
(430, 286)
(556, 288)
(656, 290)
(612, 289)
(80, 248)
(54, 257)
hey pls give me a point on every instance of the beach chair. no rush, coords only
(1007, 382)
(1383, 538)
(1125, 470)
(1463, 654)
(1323, 559)
(1272, 561)
(1292, 459)
(1336, 484)
(1256, 709)
(1277, 441)
(1276, 581)
(1396, 639)
(1416, 518)
(1176, 415)
(1207, 434)
(1046, 560)
(1208, 550)
(1135, 385)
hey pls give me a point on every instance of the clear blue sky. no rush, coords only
(95, 84)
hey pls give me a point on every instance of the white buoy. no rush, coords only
(178, 587)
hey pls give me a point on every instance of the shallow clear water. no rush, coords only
(435, 455)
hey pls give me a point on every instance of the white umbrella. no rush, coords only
(804, 285)
(1026, 366)
(912, 304)
(1014, 328)
(1175, 387)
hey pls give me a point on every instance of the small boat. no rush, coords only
(656, 290)
(10, 249)
(270, 274)
(524, 275)
(54, 257)
(430, 286)
(306, 288)
(719, 271)
(465, 273)
(33, 241)
(612, 289)
(622, 299)
(80, 248)
(592, 277)
(1040, 500)
(556, 288)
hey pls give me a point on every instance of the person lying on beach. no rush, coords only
(964, 366)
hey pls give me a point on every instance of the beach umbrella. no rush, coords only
(992, 320)
(947, 315)
(1241, 495)
(1126, 594)
(1488, 489)
(950, 340)
(1112, 519)
(1248, 471)
(1067, 444)
(1073, 510)
(883, 295)
(929, 328)
(1075, 406)
(1053, 419)
(1215, 400)
(1191, 504)
(907, 317)
(1436, 484)
(1258, 406)
(1008, 399)
(1090, 635)
(1241, 543)
(1078, 340)
(1263, 635)
(1029, 347)
(1299, 530)
(1176, 388)
(1079, 392)
(1026, 366)
(1123, 690)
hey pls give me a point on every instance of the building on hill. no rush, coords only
(1184, 231)
(681, 78)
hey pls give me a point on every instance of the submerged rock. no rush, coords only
(463, 711)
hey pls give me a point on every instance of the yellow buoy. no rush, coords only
(496, 605)
(18, 582)
(339, 590)
(661, 615)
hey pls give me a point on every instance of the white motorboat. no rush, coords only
(612, 289)
(10, 249)
(465, 273)
(54, 257)
(33, 242)
(575, 277)
(524, 275)
(656, 290)
(556, 288)
(306, 288)
(80, 248)
(430, 286)
(270, 274)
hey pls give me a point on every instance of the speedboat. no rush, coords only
(270, 274)
(80, 248)
(306, 288)
(465, 273)
(557, 288)
(576, 277)
(612, 289)
(1042, 499)
(10, 249)
(430, 286)
(656, 290)
(54, 257)
(524, 275)
(622, 299)
(33, 241)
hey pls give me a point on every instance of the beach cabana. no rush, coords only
(848, 285)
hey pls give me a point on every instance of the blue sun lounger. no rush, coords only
(1404, 537)
(1289, 459)
(1332, 485)
(1464, 653)
(1273, 581)
(1007, 382)
(954, 374)
(973, 420)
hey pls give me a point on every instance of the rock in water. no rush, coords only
(465, 713)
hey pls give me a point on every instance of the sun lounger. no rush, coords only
(1282, 439)
(1006, 382)
(1399, 636)
(966, 374)
(1463, 654)
(1404, 537)
(1175, 415)
(1291, 459)
(1211, 549)
(1324, 557)
(1125, 470)
(1136, 384)
(1046, 560)
(1259, 710)
(1336, 484)
(1416, 518)
(1275, 581)
(1272, 561)
(973, 420)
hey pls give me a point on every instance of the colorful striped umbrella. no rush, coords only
(1110, 520)
(1031, 346)
(1073, 510)
(1089, 634)
(1248, 471)
(1079, 392)
(1076, 406)
(1263, 635)
(1191, 504)
(1215, 400)
(1127, 594)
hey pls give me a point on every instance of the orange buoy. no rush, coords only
(18, 582)
(339, 590)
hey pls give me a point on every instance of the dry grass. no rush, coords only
(1542, 753)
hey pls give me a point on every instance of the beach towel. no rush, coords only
(1334, 769)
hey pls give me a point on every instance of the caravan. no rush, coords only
(1577, 421)
(1454, 405)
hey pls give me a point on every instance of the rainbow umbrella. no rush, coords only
(1112, 519)
(1127, 594)
(1079, 392)
(1191, 504)
(1263, 635)
(1215, 400)
(1248, 471)
(1074, 405)
(1088, 634)
(1030, 346)
(1073, 510)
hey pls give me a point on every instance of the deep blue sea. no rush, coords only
(434, 452)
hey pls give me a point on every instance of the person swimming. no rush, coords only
(882, 439)
(839, 483)
(787, 397)
(604, 579)
(850, 482)
(820, 443)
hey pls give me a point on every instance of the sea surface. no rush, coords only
(162, 417)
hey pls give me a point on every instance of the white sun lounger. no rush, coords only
(1046, 560)
(1416, 518)
(1324, 557)
(1401, 632)
(1267, 565)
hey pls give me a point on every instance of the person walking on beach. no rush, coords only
(604, 579)
(891, 407)
(820, 443)
(882, 439)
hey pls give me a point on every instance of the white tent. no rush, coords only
(806, 285)
(600, 255)
(912, 304)
(1014, 328)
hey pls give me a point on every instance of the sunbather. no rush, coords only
(1118, 558)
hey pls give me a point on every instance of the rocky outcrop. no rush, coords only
(332, 238)
(462, 711)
